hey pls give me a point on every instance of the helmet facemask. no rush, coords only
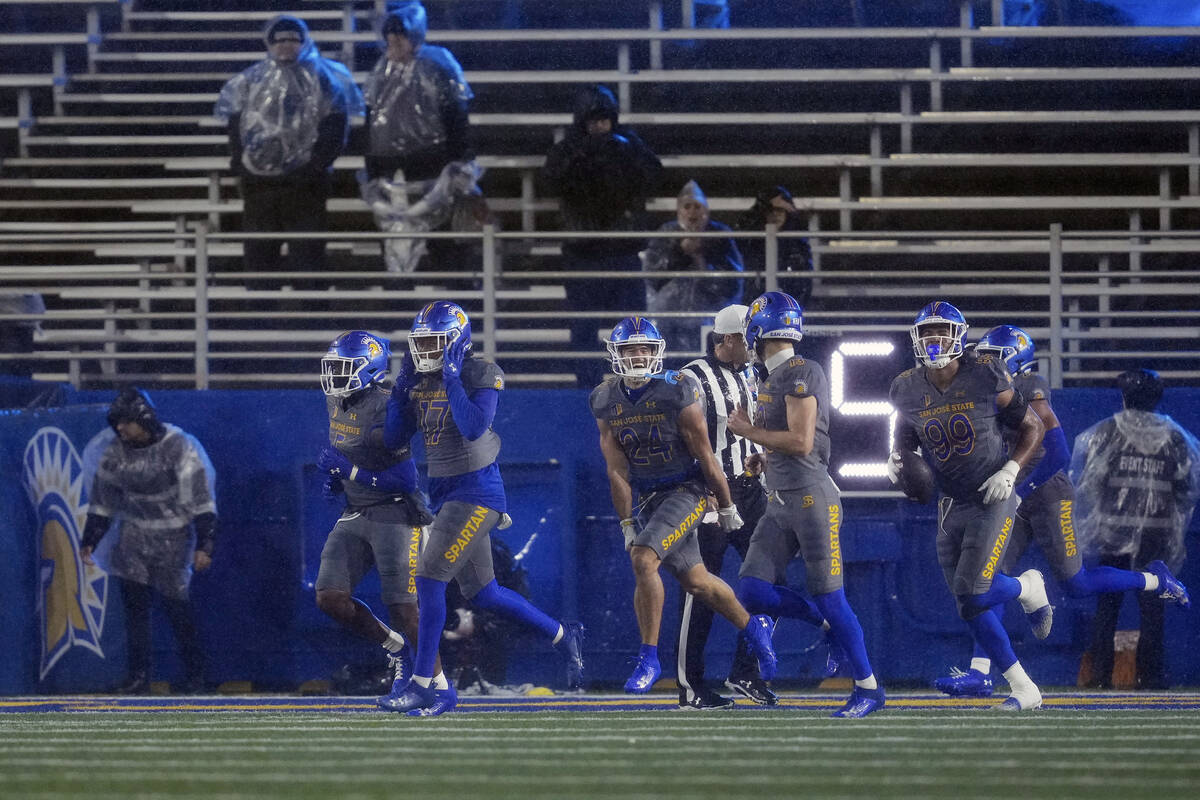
(428, 350)
(641, 365)
(341, 376)
(937, 349)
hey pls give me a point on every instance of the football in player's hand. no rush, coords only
(916, 478)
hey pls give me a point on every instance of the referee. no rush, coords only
(726, 384)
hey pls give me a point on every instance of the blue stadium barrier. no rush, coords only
(255, 606)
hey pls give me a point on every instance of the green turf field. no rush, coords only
(782, 753)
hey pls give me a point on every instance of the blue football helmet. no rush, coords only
(437, 325)
(355, 360)
(774, 315)
(1011, 345)
(636, 330)
(938, 351)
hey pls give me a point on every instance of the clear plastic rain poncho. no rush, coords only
(407, 100)
(1136, 474)
(152, 494)
(282, 104)
(389, 202)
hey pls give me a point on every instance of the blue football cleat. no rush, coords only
(758, 640)
(971, 683)
(571, 645)
(834, 658)
(444, 700)
(862, 702)
(645, 673)
(1037, 606)
(412, 697)
(1169, 587)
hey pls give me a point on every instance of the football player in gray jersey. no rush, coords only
(450, 396)
(1046, 512)
(384, 514)
(804, 509)
(957, 407)
(655, 443)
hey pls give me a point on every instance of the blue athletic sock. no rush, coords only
(979, 652)
(431, 619)
(1003, 589)
(992, 638)
(846, 630)
(760, 597)
(495, 597)
(1094, 580)
(648, 651)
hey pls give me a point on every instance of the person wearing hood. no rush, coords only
(157, 483)
(417, 100)
(692, 254)
(419, 162)
(1137, 480)
(602, 174)
(289, 118)
(774, 205)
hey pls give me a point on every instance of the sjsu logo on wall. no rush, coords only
(71, 594)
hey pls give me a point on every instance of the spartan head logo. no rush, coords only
(72, 594)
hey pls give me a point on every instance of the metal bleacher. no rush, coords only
(930, 161)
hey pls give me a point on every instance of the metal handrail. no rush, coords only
(1080, 335)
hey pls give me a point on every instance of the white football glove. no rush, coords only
(729, 518)
(629, 530)
(893, 467)
(1000, 486)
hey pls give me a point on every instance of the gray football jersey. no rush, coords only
(447, 451)
(648, 430)
(958, 428)
(1032, 387)
(356, 430)
(798, 377)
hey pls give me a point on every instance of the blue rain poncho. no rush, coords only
(280, 105)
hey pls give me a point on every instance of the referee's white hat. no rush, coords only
(731, 319)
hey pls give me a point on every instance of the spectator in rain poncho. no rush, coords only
(288, 116)
(690, 254)
(1137, 477)
(419, 162)
(156, 482)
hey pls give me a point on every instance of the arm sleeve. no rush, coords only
(1056, 458)
(94, 529)
(206, 531)
(399, 477)
(398, 426)
(1011, 415)
(474, 414)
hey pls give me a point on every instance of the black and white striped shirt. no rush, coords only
(725, 390)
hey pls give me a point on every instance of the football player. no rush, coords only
(384, 514)
(450, 395)
(1046, 512)
(655, 444)
(960, 408)
(804, 508)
